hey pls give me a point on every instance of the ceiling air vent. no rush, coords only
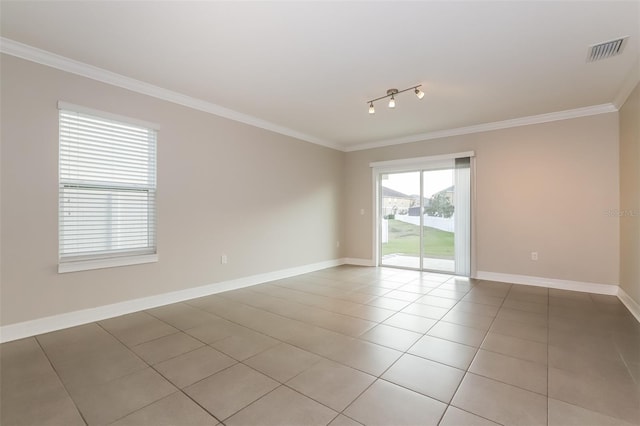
(607, 49)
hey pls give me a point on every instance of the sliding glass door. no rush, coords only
(400, 234)
(438, 230)
(425, 217)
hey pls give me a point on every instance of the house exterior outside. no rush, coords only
(395, 202)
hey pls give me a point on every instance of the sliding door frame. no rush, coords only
(418, 164)
(378, 182)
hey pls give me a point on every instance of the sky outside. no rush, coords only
(409, 183)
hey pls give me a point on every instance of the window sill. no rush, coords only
(85, 265)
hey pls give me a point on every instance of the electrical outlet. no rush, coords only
(534, 255)
(223, 259)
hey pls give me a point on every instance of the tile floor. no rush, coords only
(341, 346)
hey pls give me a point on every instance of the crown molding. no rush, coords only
(497, 125)
(43, 57)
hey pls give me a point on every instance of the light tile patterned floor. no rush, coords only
(341, 346)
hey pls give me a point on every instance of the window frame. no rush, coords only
(116, 257)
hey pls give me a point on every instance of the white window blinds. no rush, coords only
(107, 188)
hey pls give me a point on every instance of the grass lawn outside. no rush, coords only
(404, 238)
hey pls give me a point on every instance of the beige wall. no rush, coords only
(630, 195)
(288, 194)
(541, 188)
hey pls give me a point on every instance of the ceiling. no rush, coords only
(308, 68)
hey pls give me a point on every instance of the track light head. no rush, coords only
(392, 101)
(372, 110)
(419, 93)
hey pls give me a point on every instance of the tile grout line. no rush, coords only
(126, 347)
(548, 344)
(279, 315)
(245, 406)
(237, 362)
(358, 338)
(379, 377)
(467, 372)
(64, 386)
(284, 384)
(159, 373)
(327, 310)
(297, 320)
(129, 349)
(405, 353)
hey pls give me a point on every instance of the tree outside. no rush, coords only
(440, 206)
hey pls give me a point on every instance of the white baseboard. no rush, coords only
(631, 304)
(611, 289)
(358, 262)
(71, 319)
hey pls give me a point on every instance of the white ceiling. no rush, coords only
(308, 68)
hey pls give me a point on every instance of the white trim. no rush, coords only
(497, 125)
(33, 54)
(375, 215)
(30, 53)
(57, 322)
(611, 289)
(631, 304)
(107, 115)
(416, 164)
(112, 262)
(420, 161)
(358, 262)
(474, 208)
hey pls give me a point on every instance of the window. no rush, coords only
(107, 190)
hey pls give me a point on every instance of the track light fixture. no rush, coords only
(391, 93)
